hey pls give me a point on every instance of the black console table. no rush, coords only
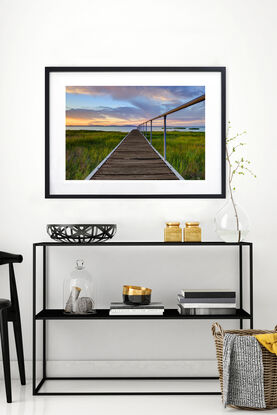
(46, 314)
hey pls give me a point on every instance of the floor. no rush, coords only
(26, 404)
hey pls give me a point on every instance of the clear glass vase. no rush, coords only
(232, 224)
(78, 291)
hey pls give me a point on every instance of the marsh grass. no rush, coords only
(86, 149)
(185, 151)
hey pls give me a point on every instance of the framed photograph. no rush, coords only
(126, 132)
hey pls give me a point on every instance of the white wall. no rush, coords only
(240, 35)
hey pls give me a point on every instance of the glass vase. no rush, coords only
(231, 221)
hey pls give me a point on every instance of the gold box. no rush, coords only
(192, 232)
(173, 232)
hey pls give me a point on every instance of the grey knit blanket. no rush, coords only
(243, 372)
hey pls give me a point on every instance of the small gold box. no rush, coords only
(192, 232)
(173, 232)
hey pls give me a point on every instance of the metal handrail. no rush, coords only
(143, 126)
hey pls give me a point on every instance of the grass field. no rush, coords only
(86, 149)
(185, 151)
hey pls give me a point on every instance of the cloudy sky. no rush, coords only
(131, 105)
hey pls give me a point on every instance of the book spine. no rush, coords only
(135, 313)
(208, 294)
(136, 308)
(182, 299)
(208, 305)
(206, 311)
(213, 311)
(152, 306)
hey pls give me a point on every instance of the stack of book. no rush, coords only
(201, 302)
(121, 309)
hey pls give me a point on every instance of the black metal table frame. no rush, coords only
(170, 314)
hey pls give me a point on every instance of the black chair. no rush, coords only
(9, 311)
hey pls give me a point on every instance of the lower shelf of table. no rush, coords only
(128, 386)
(103, 314)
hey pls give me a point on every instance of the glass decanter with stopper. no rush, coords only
(79, 291)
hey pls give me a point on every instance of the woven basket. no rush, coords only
(269, 363)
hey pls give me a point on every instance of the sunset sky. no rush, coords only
(131, 105)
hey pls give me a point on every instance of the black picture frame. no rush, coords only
(221, 70)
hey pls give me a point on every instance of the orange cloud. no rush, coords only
(84, 90)
(71, 122)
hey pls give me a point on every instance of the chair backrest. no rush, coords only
(7, 258)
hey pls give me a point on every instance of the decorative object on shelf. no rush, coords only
(79, 291)
(134, 295)
(173, 232)
(192, 232)
(81, 233)
(232, 224)
(206, 302)
(129, 164)
(71, 304)
(269, 362)
(120, 309)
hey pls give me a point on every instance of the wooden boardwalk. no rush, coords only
(134, 159)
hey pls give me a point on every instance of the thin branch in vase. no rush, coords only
(240, 169)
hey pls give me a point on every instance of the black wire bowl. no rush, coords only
(81, 233)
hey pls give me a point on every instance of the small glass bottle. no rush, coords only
(173, 232)
(78, 291)
(192, 232)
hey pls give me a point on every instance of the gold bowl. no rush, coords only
(134, 295)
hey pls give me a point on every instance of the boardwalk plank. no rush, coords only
(136, 177)
(133, 162)
(138, 156)
(134, 159)
(129, 170)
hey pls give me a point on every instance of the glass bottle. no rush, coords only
(78, 292)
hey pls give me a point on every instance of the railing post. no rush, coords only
(165, 137)
(151, 131)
